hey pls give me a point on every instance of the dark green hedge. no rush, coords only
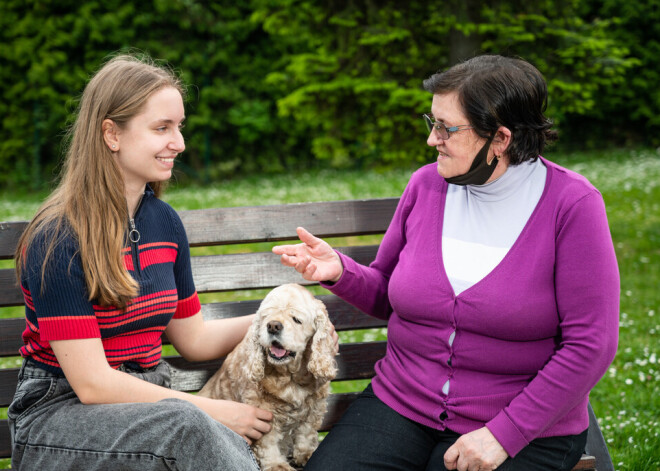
(282, 84)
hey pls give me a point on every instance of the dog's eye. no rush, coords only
(296, 320)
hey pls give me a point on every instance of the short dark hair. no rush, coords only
(499, 91)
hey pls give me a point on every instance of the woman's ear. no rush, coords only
(501, 141)
(110, 134)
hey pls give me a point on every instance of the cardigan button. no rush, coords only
(444, 416)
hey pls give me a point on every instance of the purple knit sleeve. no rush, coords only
(587, 293)
(367, 287)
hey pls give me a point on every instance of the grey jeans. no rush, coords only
(52, 429)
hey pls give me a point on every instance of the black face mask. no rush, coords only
(480, 170)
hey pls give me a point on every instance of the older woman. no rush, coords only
(500, 285)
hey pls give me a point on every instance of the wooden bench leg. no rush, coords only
(586, 463)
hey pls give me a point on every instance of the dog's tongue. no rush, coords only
(277, 351)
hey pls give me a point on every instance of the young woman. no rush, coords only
(105, 270)
(500, 285)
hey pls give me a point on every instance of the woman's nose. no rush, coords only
(434, 138)
(178, 143)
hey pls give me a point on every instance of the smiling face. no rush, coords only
(455, 155)
(151, 140)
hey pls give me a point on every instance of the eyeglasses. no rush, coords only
(443, 131)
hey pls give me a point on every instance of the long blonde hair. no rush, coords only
(91, 194)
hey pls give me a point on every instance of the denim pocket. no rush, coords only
(30, 392)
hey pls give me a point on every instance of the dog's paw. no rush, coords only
(300, 458)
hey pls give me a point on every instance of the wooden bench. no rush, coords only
(244, 269)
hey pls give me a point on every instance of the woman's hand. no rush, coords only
(248, 421)
(475, 451)
(314, 259)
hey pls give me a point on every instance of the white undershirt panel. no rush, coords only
(482, 222)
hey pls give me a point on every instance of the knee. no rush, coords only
(195, 428)
(184, 417)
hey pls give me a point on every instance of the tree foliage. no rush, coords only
(280, 84)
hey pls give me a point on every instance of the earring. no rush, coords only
(113, 146)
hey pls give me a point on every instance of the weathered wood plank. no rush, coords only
(10, 293)
(10, 232)
(10, 336)
(256, 270)
(279, 222)
(343, 316)
(219, 272)
(8, 381)
(586, 463)
(355, 361)
(262, 223)
(5, 439)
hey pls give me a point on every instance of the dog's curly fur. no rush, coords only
(284, 364)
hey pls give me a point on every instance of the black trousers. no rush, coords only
(372, 436)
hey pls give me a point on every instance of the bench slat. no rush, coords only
(355, 361)
(239, 225)
(10, 293)
(10, 232)
(219, 272)
(279, 222)
(257, 270)
(343, 316)
(5, 439)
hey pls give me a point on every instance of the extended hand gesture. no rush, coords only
(314, 259)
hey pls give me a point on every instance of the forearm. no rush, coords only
(199, 340)
(559, 388)
(110, 386)
(363, 287)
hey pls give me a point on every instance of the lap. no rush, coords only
(372, 436)
(53, 429)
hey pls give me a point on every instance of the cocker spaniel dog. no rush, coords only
(284, 364)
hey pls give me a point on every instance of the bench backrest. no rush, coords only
(241, 269)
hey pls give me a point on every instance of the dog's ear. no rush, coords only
(255, 357)
(322, 362)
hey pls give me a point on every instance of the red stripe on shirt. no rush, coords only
(188, 307)
(156, 256)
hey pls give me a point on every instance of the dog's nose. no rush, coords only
(274, 327)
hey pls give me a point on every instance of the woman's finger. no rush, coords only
(307, 237)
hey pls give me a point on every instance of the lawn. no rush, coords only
(627, 399)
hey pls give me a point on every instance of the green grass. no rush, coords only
(627, 399)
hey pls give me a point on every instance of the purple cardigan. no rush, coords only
(532, 337)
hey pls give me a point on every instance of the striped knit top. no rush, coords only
(59, 309)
